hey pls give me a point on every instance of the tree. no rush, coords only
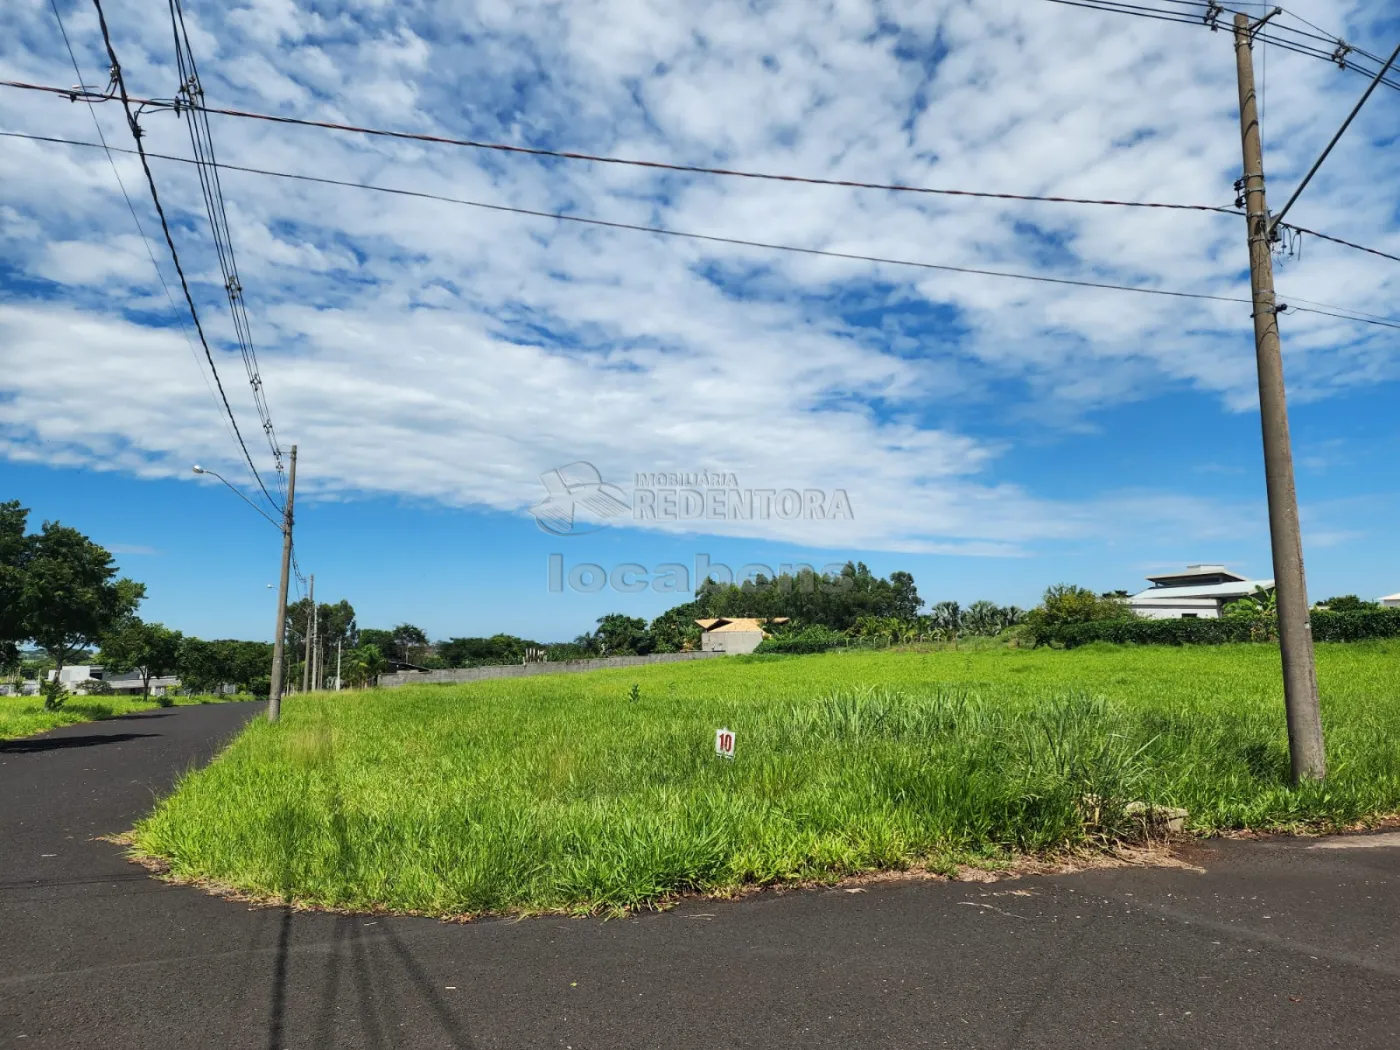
(151, 649)
(675, 630)
(205, 667)
(620, 635)
(408, 638)
(476, 652)
(380, 639)
(904, 602)
(12, 552)
(1065, 603)
(1348, 603)
(68, 595)
(364, 664)
(947, 620)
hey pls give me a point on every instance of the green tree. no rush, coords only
(947, 620)
(69, 596)
(207, 666)
(12, 556)
(621, 635)
(1348, 603)
(363, 665)
(1065, 603)
(151, 649)
(380, 639)
(407, 639)
(478, 652)
(675, 630)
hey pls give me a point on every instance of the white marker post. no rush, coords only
(724, 743)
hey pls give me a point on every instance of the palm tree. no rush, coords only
(947, 617)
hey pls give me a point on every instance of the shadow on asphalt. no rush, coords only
(58, 743)
(377, 964)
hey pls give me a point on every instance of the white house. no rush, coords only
(74, 675)
(1201, 592)
(130, 683)
(1391, 601)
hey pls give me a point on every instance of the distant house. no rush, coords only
(734, 635)
(74, 675)
(131, 683)
(1201, 592)
(1391, 602)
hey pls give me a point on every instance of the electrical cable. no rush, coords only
(136, 133)
(689, 169)
(1335, 139)
(455, 200)
(140, 229)
(423, 195)
(202, 145)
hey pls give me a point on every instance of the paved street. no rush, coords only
(1280, 943)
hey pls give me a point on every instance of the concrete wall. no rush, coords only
(477, 674)
(730, 641)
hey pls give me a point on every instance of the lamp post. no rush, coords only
(274, 695)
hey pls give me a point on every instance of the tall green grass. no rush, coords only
(26, 715)
(562, 792)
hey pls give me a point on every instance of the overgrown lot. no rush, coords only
(563, 792)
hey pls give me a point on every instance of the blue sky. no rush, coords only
(432, 361)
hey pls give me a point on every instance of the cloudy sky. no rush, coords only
(432, 360)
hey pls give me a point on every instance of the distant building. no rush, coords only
(735, 635)
(75, 675)
(1391, 602)
(130, 683)
(1201, 592)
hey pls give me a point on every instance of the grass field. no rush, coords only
(560, 792)
(25, 715)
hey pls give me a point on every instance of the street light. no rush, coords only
(274, 693)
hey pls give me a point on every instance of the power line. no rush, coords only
(206, 164)
(689, 169)
(1344, 317)
(1336, 138)
(454, 200)
(1207, 13)
(1338, 240)
(140, 229)
(664, 231)
(136, 133)
(717, 239)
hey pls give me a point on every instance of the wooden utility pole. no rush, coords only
(310, 629)
(1300, 695)
(274, 693)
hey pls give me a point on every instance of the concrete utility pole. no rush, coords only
(274, 695)
(1300, 695)
(338, 643)
(310, 613)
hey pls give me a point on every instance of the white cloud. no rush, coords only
(451, 354)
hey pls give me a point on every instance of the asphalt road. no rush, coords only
(1279, 943)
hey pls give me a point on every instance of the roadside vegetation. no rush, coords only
(26, 715)
(582, 793)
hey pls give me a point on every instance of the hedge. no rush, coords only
(1327, 627)
(812, 640)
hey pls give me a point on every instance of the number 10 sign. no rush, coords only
(724, 743)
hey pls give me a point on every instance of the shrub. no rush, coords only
(1327, 627)
(811, 640)
(55, 695)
